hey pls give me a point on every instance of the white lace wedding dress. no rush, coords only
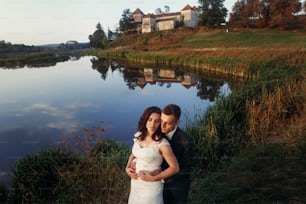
(149, 159)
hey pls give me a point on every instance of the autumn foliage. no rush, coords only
(280, 14)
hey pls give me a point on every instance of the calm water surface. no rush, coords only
(39, 105)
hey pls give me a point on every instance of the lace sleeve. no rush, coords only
(163, 142)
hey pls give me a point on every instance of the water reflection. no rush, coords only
(38, 62)
(207, 85)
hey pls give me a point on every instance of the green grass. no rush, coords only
(265, 39)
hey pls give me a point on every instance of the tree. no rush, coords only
(167, 9)
(282, 13)
(158, 11)
(213, 12)
(98, 39)
(127, 21)
(265, 13)
(245, 13)
(236, 16)
(180, 22)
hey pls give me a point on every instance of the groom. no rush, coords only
(176, 187)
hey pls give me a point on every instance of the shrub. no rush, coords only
(35, 177)
(85, 169)
(99, 177)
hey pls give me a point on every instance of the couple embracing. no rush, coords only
(160, 162)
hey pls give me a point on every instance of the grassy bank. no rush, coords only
(205, 38)
(240, 54)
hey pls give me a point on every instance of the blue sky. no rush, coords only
(37, 22)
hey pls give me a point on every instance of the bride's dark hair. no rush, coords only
(158, 135)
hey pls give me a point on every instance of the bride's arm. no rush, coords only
(130, 167)
(173, 168)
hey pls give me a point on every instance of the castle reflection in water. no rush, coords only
(138, 76)
(208, 85)
(153, 76)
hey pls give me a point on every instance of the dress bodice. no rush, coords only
(148, 158)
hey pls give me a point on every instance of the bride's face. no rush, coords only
(153, 122)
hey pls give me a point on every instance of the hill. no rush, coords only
(210, 38)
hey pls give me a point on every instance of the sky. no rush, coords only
(40, 22)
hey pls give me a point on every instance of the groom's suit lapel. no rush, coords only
(175, 141)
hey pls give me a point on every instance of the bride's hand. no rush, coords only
(146, 176)
(131, 172)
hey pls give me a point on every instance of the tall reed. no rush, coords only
(272, 117)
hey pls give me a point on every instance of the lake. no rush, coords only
(39, 105)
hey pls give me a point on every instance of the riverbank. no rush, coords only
(235, 53)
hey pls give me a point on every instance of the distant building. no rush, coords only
(187, 17)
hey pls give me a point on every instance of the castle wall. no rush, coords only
(167, 21)
(165, 25)
(190, 18)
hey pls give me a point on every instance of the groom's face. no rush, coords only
(168, 123)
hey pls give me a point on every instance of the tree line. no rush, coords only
(275, 14)
(8, 47)
(282, 14)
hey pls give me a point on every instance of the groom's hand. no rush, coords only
(155, 172)
(146, 176)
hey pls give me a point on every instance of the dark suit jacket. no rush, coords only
(182, 146)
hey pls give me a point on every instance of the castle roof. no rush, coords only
(167, 14)
(149, 15)
(162, 15)
(170, 15)
(188, 7)
(138, 11)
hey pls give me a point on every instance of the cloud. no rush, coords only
(64, 116)
(77, 105)
(50, 110)
(68, 125)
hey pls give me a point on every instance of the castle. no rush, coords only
(187, 17)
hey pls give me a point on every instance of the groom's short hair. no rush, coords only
(172, 109)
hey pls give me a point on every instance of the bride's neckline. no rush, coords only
(145, 143)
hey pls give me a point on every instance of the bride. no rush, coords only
(148, 151)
